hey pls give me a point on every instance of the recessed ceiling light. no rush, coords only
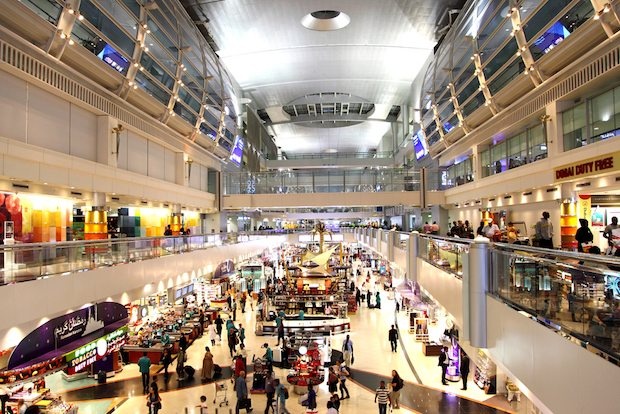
(325, 20)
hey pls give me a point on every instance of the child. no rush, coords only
(202, 405)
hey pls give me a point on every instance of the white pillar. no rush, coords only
(475, 286)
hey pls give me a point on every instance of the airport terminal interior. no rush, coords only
(309, 206)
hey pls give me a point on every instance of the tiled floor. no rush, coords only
(373, 360)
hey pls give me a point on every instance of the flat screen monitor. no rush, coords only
(236, 154)
(110, 56)
(551, 38)
(419, 145)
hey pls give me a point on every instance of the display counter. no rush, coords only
(327, 324)
(47, 402)
(219, 304)
(431, 349)
(132, 353)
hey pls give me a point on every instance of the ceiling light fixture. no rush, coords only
(325, 20)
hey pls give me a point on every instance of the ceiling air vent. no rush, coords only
(21, 186)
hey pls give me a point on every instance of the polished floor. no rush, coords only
(423, 391)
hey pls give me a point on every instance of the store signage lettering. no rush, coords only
(95, 350)
(70, 327)
(586, 168)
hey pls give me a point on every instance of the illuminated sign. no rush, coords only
(237, 152)
(589, 167)
(419, 144)
(96, 350)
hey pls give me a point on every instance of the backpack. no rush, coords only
(399, 384)
(285, 393)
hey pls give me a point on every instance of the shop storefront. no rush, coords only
(80, 343)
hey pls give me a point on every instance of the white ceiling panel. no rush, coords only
(276, 60)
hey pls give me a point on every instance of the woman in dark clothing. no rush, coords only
(479, 229)
(583, 235)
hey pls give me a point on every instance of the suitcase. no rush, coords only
(189, 371)
(247, 404)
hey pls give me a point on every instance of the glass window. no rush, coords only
(163, 56)
(109, 29)
(602, 115)
(225, 144)
(120, 16)
(496, 8)
(462, 57)
(499, 162)
(211, 119)
(473, 104)
(152, 88)
(543, 17)
(153, 68)
(164, 28)
(514, 69)
(507, 53)
(208, 131)
(164, 39)
(497, 39)
(574, 127)
(185, 113)
(537, 143)
(467, 91)
(517, 151)
(186, 97)
(47, 9)
(133, 6)
(485, 163)
(433, 138)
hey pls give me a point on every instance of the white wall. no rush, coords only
(444, 287)
(563, 376)
(30, 304)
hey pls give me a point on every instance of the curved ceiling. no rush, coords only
(275, 59)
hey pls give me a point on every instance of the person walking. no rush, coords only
(166, 360)
(153, 400)
(397, 384)
(608, 233)
(311, 397)
(281, 397)
(464, 368)
(241, 390)
(268, 357)
(218, 323)
(358, 297)
(232, 340)
(347, 351)
(332, 381)
(144, 365)
(393, 337)
(241, 336)
(207, 365)
(378, 300)
(544, 231)
(382, 397)
(270, 390)
(212, 333)
(343, 373)
(443, 363)
(183, 342)
(201, 322)
(583, 235)
(181, 357)
(280, 327)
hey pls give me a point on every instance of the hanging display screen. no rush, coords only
(551, 38)
(419, 145)
(110, 56)
(237, 151)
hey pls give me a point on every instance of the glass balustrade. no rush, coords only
(31, 261)
(321, 181)
(444, 252)
(574, 294)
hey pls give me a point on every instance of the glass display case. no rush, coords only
(446, 254)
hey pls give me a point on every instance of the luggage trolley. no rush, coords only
(221, 387)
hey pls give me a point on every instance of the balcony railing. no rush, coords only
(322, 181)
(31, 261)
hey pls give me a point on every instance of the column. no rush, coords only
(412, 257)
(475, 286)
(390, 245)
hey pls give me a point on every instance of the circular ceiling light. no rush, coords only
(325, 20)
